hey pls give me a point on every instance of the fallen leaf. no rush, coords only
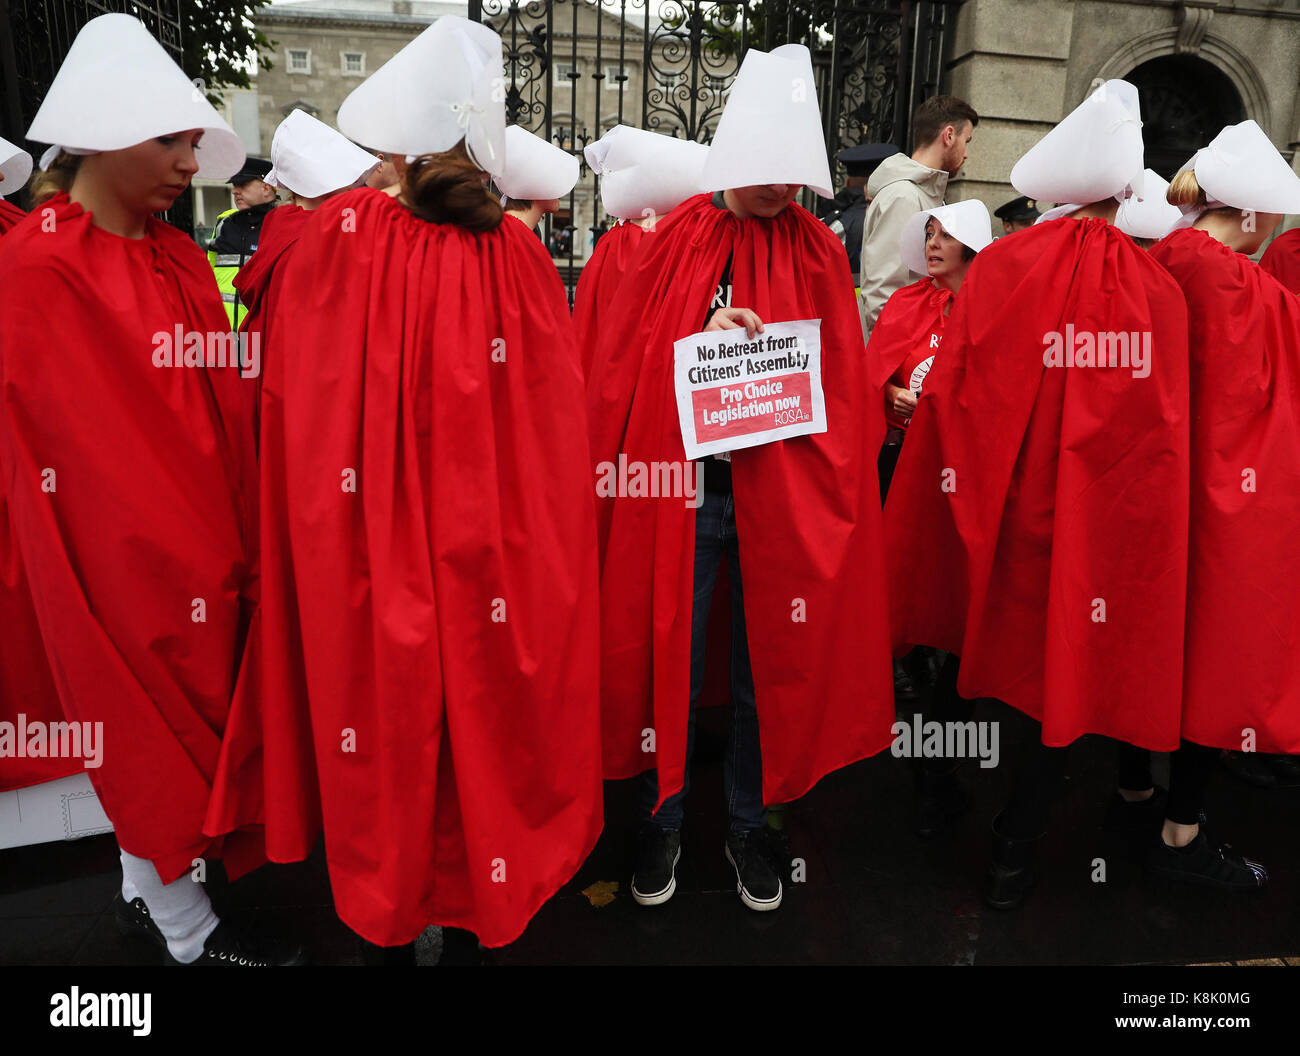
(601, 893)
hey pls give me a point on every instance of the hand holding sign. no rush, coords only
(734, 319)
(735, 392)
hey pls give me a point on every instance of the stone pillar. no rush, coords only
(1009, 62)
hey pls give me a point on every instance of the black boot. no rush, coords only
(940, 798)
(1013, 871)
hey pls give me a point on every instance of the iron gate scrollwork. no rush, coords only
(575, 68)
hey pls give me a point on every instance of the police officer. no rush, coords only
(1017, 214)
(849, 207)
(235, 237)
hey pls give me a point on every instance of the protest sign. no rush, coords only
(735, 392)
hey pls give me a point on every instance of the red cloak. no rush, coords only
(257, 279)
(1282, 259)
(1037, 521)
(448, 597)
(258, 283)
(1242, 668)
(807, 511)
(126, 483)
(26, 685)
(289, 808)
(909, 316)
(599, 281)
(10, 215)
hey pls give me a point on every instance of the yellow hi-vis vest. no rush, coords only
(225, 266)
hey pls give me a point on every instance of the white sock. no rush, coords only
(129, 892)
(181, 909)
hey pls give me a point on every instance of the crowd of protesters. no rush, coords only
(341, 557)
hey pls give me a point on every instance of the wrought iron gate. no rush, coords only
(575, 68)
(35, 35)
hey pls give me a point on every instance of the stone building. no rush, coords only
(1024, 64)
(324, 48)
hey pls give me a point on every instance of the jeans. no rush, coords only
(715, 538)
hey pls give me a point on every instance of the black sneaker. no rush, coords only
(133, 920)
(228, 946)
(1206, 863)
(757, 881)
(655, 878)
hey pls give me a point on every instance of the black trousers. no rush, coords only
(1039, 774)
(1190, 769)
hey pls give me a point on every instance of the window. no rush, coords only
(670, 78)
(616, 77)
(299, 60)
(563, 71)
(354, 64)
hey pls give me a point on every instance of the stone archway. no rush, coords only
(1218, 83)
(1185, 101)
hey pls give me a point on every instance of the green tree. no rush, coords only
(220, 43)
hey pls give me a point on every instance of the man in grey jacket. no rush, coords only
(901, 186)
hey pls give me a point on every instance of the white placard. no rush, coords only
(735, 392)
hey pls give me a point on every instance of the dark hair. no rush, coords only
(448, 188)
(936, 114)
(520, 203)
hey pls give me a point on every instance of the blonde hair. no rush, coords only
(1185, 191)
(45, 184)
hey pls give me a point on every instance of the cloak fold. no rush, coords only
(807, 511)
(1242, 668)
(127, 485)
(1037, 521)
(429, 526)
(10, 216)
(599, 281)
(1282, 259)
(26, 686)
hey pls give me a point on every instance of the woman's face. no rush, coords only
(149, 177)
(943, 259)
